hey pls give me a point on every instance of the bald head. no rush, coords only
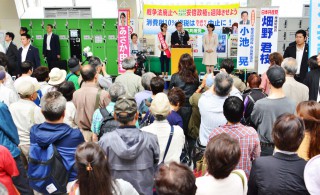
(88, 73)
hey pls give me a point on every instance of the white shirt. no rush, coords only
(48, 41)
(162, 130)
(8, 96)
(25, 114)
(44, 87)
(23, 79)
(232, 185)
(299, 56)
(70, 115)
(24, 52)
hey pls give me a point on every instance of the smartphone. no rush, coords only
(14, 78)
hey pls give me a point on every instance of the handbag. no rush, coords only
(201, 167)
(197, 152)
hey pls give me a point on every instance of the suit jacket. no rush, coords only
(175, 38)
(54, 45)
(12, 55)
(312, 82)
(32, 56)
(291, 51)
(277, 174)
(241, 22)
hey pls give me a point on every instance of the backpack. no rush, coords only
(68, 76)
(46, 171)
(108, 122)
(144, 106)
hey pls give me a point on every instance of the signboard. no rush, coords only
(246, 39)
(268, 42)
(314, 38)
(68, 12)
(123, 37)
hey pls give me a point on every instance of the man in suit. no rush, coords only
(12, 54)
(51, 47)
(28, 52)
(299, 51)
(244, 17)
(180, 36)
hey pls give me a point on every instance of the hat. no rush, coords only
(125, 104)
(312, 175)
(160, 105)
(276, 74)
(27, 87)
(57, 76)
(2, 75)
(73, 64)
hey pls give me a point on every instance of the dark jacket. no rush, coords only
(12, 55)
(277, 174)
(188, 89)
(291, 51)
(8, 131)
(65, 138)
(312, 82)
(175, 38)
(32, 56)
(54, 45)
(132, 155)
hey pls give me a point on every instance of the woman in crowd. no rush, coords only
(281, 173)
(210, 43)
(222, 156)
(186, 79)
(57, 77)
(164, 46)
(176, 98)
(313, 77)
(251, 96)
(67, 89)
(134, 45)
(275, 58)
(175, 179)
(94, 176)
(309, 111)
(42, 75)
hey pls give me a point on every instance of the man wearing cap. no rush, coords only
(25, 114)
(87, 99)
(8, 96)
(73, 76)
(131, 152)
(160, 109)
(266, 110)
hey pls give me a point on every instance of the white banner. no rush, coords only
(268, 42)
(314, 38)
(246, 38)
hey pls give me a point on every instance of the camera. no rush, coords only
(140, 60)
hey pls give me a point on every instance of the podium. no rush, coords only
(176, 52)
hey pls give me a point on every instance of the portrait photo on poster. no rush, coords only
(123, 18)
(244, 20)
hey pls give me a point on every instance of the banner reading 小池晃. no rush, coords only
(246, 38)
(123, 37)
(314, 38)
(193, 17)
(268, 43)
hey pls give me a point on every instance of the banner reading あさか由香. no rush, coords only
(193, 17)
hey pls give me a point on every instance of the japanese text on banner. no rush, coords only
(123, 46)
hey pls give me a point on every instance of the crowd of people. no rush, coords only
(130, 136)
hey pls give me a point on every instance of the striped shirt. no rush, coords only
(249, 143)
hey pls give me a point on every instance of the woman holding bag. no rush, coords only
(210, 43)
(164, 46)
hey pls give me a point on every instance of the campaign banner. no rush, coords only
(194, 19)
(123, 46)
(314, 38)
(269, 23)
(246, 38)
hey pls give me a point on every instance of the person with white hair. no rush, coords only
(146, 93)
(8, 96)
(293, 89)
(131, 81)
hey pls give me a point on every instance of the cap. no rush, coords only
(27, 88)
(160, 105)
(2, 75)
(57, 76)
(276, 74)
(73, 64)
(125, 105)
(312, 175)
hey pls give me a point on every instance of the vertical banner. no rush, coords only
(314, 38)
(246, 39)
(268, 36)
(123, 37)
